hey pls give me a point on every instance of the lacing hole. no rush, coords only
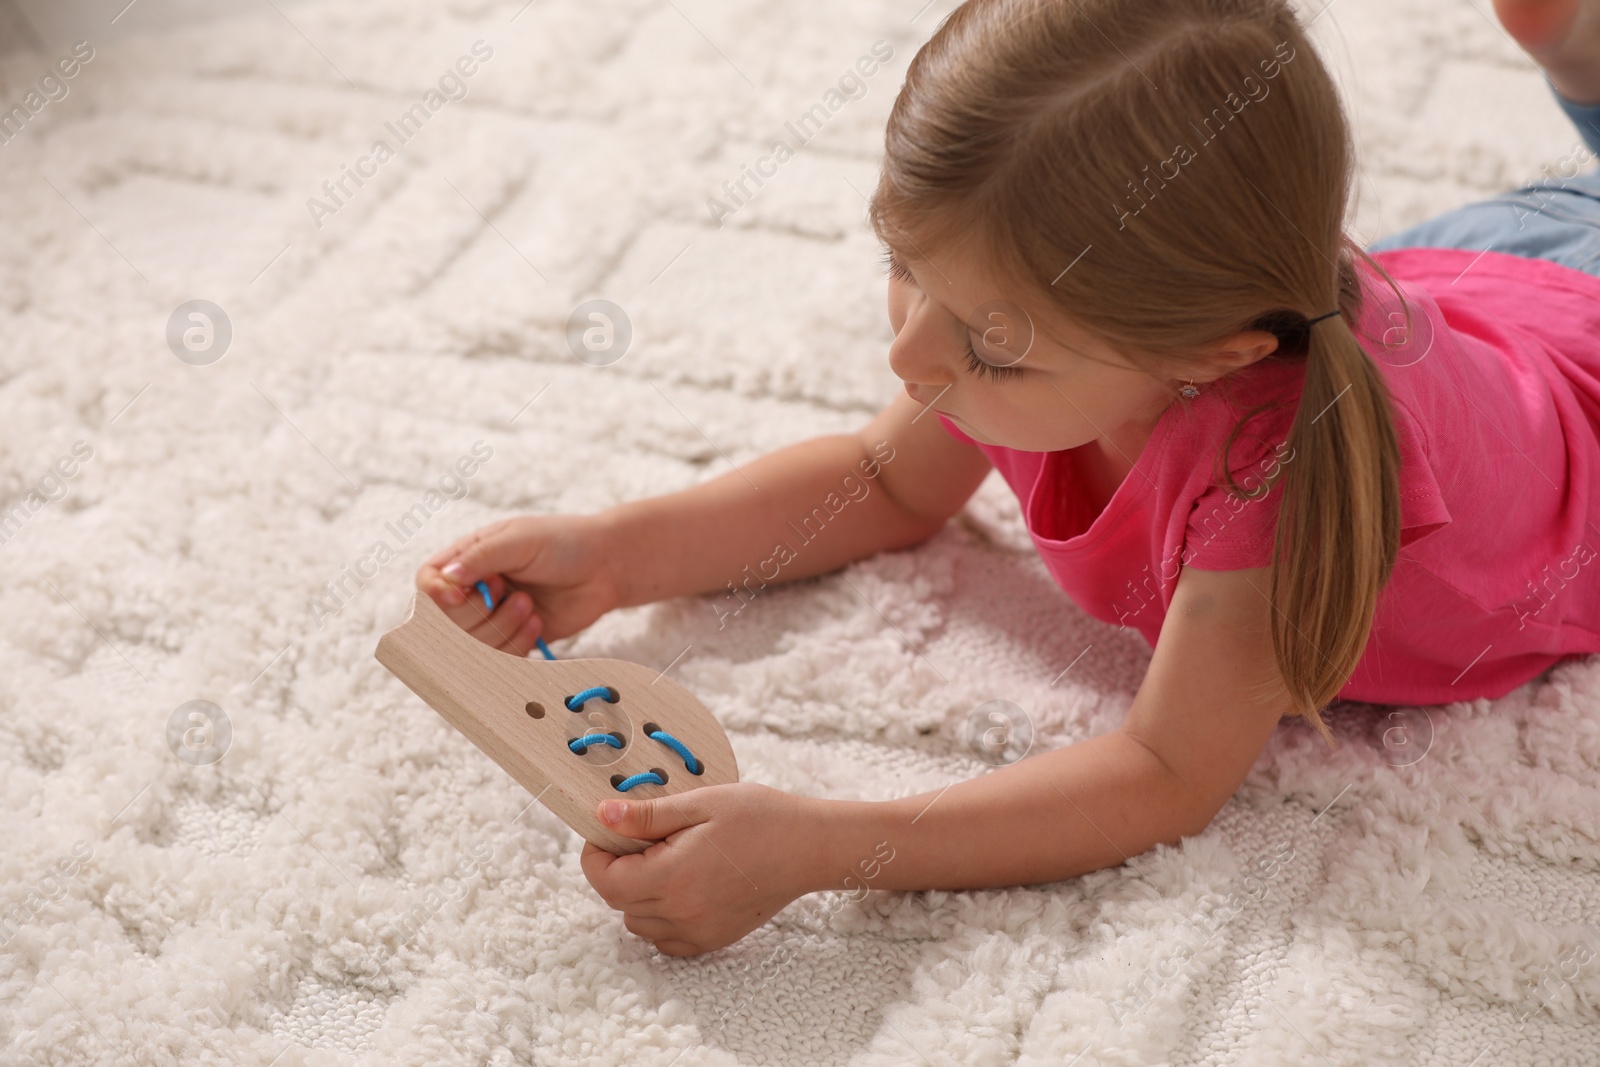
(610, 697)
(650, 728)
(618, 779)
(535, 710)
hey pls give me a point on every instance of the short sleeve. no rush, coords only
(1422, 509)
(1229, 531)
(1226, 532)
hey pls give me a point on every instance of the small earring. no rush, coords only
(1189, 391)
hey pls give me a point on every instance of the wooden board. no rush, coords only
(514, 709)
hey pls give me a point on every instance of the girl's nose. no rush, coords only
(916, 353)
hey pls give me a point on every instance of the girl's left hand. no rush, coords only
(727, 859)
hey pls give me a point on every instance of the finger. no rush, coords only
(595, 861)
(462, 543)
(527, 635)
(482, 597)
(441, 588)
(470, 610)
(444, 593)
(500, 551)
(628, 880)
(652, 820)
(471, 590)
(599, 868)
(654, 908)
(678, 948)
(649, 927)
(499, 628)
(457, 600)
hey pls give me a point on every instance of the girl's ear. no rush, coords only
(1228, 354)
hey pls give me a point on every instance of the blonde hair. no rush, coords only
(1170, 172)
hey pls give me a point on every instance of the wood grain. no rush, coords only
(514, 709)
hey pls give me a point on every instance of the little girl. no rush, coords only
(1120, 276)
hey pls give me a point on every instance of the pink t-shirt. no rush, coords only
(1496, 390)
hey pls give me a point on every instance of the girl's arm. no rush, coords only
(1190, 738)
(892, 485)
(729, 857)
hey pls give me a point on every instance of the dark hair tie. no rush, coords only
(1319, 318)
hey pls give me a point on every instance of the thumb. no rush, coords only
(651, 820)
(496, 554)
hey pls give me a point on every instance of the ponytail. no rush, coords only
(1338, 529)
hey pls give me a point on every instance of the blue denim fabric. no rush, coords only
(1556, 218)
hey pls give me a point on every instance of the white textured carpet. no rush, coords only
(353, 882)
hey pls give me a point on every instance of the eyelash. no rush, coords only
(979, 367)
(983, 367)
(893, 267)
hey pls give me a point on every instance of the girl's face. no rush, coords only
(985, 362)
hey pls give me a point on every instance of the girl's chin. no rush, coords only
(967, 428)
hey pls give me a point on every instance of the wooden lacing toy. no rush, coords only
(573, 732)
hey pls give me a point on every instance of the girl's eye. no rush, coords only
(982, 367)
(979, 367)
(894, 268)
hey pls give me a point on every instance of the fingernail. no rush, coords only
(453, 571)
(612, 811)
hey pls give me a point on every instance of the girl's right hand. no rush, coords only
(548, 574)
